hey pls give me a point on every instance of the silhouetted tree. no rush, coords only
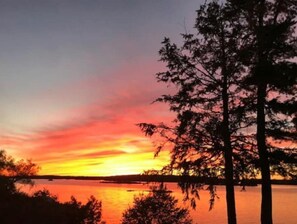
(158, 207)
(42, 207)
(269, 54)
(12, 171)
(206, 135)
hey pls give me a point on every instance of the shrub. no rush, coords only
(158, 207)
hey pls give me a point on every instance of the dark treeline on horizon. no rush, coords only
(160, 178)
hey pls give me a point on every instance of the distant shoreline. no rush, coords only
(136, 178)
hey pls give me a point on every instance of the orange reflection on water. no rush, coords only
(116, 198)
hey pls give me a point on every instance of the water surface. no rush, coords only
(116, 198)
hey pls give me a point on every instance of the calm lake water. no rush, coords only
(116, 198)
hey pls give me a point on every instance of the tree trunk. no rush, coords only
(266, 204)
(230, 197)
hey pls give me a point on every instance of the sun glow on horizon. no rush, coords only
(108, 166)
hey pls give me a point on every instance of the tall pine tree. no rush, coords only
(270, 54)
(206, 73)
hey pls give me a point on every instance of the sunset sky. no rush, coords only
(77, 75)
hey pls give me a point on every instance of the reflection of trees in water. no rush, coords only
(158, 207)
